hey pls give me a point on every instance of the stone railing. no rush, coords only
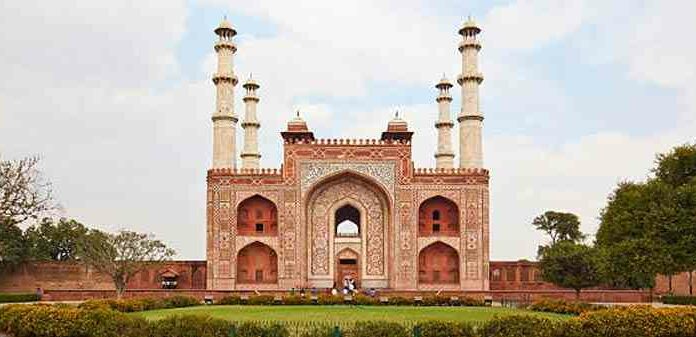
(347, 141)
(450, 171)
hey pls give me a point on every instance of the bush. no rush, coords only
(18, 297)
(365, 300)
(398, 300)
(445, 329)
(564, 307)
(329, 299)
(681, 300)
(253, 329)
(230, 300)
(260, 300)
(639, 321)
(50, 321)
(189, 326)
(175, 301)
(140, 304)
(296, 300)
(378, 329)
(520, 326)
(317, 330)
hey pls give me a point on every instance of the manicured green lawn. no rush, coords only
(343, 313)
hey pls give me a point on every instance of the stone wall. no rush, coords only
(77, 276)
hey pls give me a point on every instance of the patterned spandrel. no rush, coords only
(383, 172)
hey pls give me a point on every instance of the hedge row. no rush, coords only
(18, 297)
(325, 299)
(683, 300)
(564, 307)
(141, 304)
(52, 321)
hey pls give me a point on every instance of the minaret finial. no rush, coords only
(298, 113)
(396, 115)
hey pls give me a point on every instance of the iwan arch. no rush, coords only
(347, 207)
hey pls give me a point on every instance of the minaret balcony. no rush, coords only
(444, 123)
(477, 77)
(225, 77)
(222, 44)
(469, 43)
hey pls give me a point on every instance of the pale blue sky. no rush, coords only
(116, 96)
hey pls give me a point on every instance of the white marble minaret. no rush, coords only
(250, 155)
(444, 157)
(224, 119)
(470, 117)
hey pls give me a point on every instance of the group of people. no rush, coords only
(349, 286)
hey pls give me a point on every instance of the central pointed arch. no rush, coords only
(360, 199)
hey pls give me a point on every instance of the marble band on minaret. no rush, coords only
(470, 117)
(250, 155)
(444, 156)
(224, 118)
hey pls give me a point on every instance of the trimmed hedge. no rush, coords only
(141, 304)
(564, 307)
(18, 297)
(681, 300)
(360, 299)
(55, 321)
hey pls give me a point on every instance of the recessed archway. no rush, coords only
(347, 221)
(257, 263)
(438, 263)
(438, 216)
(257, 216)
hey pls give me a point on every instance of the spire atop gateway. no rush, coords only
(470, 117)
(224, 118)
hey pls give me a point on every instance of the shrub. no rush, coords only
(325, 299)
(189, 326)
(254, 329)
(520, 326)
(564, 307)
(230, 300)
(398, 300)
(445, 329)
(639, 321)
(319, 330)
(365, 300)
(50, 321)
(296, 300)
(471, 302)
(260, 300)
(175, 301)
(682, 300)
(378, 329)
(18, 297)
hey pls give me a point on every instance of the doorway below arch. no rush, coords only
(347, 268)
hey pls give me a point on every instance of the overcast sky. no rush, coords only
(116, 96)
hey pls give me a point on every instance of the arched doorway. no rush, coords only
(438, 216)
(438, 263)
(347, 267)
(347, 221)
(257, 263)
(352, 205)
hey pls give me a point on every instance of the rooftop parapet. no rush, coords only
(246, 171)
(347, 141)
(450, 171)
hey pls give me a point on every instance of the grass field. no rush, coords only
(343, 313)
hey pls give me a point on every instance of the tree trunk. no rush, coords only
(120, 285)
(577, 295)
(669, 280)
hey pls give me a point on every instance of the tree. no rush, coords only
(677, 167)
(559, 226)
(24, 193)
(571, 265)
(122, 255)
(12, 245)
(631, 264)
(54, 241)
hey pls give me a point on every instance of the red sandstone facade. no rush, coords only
(279, 229)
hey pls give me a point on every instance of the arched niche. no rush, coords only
(347, 221)
(257, 263)
(257, 215)
(438, 263)
(438, 216)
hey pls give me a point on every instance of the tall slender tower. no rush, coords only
(444, 157)
(470, 117)
(250, 155)
(224, 119)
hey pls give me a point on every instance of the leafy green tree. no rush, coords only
(122, 255)
(661, 211)
(49, 240)
(631, 264)
(571, 265)
(559, 226)
(12, 245)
